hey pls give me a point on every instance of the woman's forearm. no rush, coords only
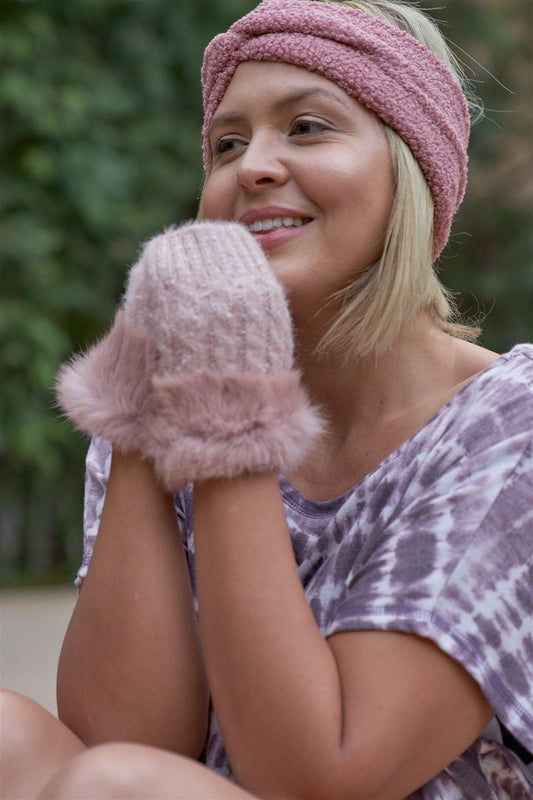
(274, 679)
(131, 666)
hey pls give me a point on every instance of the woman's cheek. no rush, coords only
(216, 199)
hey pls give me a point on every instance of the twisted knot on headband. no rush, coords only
(379, 65)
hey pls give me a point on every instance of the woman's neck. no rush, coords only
(374, 404)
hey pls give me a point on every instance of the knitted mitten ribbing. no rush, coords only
(207, 296)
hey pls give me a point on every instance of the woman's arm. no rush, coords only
(131, 666)
(363, 715)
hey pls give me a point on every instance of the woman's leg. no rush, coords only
(41, 758)
(33, 746)
(138, 772)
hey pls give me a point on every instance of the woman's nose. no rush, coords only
(260, 166)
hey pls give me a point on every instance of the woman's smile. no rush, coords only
(273, 225)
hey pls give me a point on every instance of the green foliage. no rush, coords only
(491, 265)
(101, 116)
(101, 110)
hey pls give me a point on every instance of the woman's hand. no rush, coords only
(226, 398)
(197, 372)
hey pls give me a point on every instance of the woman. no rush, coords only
(361, 508)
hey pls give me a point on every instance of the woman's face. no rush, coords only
(307, 169)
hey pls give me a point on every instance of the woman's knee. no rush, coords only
(103, 772)
(137, 772)
(25, 724)
(34, 745)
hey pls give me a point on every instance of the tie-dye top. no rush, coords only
(438, 541)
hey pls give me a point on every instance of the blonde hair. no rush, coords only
(390, 293)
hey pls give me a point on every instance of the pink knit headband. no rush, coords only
(386, 69)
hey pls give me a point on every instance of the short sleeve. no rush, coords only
(456, 566)
(97, 466)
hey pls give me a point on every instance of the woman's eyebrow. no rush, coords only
(225, 119)
(286, 100)
(316, 91)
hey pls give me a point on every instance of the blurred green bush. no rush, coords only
(101, 116)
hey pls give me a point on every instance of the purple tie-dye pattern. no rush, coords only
(438, 541)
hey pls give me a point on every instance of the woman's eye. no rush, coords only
(303, 127)
(225, 145)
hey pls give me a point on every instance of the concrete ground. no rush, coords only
(32, 626)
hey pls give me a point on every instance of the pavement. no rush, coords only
(32, 627)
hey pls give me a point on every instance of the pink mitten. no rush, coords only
(197, 372)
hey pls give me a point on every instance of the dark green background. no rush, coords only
(101, 114)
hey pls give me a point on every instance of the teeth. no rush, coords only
(275, 222)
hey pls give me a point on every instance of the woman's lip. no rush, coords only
(276, 236)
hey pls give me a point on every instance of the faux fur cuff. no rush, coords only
(220, 425)
(107, 391)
